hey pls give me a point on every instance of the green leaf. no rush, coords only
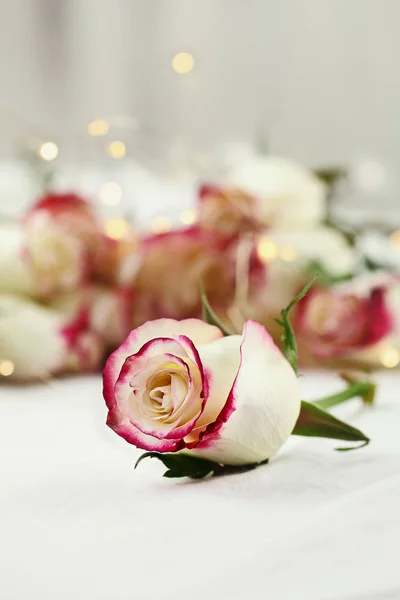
(288, 337)
(331, 175)
(316, 422)
(184, 465)
(209, 315)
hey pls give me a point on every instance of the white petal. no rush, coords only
(15, 273)
(263, 408)
(30, 337)
(220, 360)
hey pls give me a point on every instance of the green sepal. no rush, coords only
(325, 278)
(184, 465)
(316, 422)
(288, 337)
(209, 315)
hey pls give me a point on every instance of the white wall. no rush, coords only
(321, 75)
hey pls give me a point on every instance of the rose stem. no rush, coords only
(362, 389)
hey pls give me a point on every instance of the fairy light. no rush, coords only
(390, 358)
(267, 250)
(287, 253)
(117, 228)
(116, 149)
(98, 127)
(48, 151)
(161, 225)
(110, 193)
(7, 368)
(187, 217)
(182, 63)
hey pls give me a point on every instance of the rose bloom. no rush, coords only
(171, 267)
(16, 277)
(289, 195)
(114, 255)
(179, 385)
(228, 211)
(337, 322)
(61, 236)
(107, 310)
(40, 342)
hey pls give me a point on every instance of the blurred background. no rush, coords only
(190, 87)
(148, 145)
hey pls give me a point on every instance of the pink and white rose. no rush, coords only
(290, 196)
(40, 342)
(338, 322)
(170, 268)
(107, 310)
(179, 385)
(228, 210)
(61, 235)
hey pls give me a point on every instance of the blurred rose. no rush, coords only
(289, 256)
(114, 254)
(290, 195)
(228, 211)
(333, 323)
(15, 274)
(172, 265)
(104, 311)
(40, 342)
(61, 238)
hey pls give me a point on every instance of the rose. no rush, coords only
(108, 311)
(290, 196)
(38, 341)
(180, 385)
(115, 260)
(169, 269)
(339, 323)
(61, 239)
(228, 211)
(15, 274)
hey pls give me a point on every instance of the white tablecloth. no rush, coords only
(76, 522)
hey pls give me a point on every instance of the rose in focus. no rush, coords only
(179, 385)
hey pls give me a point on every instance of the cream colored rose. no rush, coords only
(290, 196)
(179, 385)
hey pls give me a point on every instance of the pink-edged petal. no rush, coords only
(123, 427)
(137, 370)
(262, 408)
(220, 360)
(194, 329)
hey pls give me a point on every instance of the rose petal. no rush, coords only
(197, 331)
(262, 408)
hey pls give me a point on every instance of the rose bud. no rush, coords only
(61, 238)
(338, 323)
(116, 260)
(108, 311)
(40, 342)
(15, 273)
(180, 385)
(228, 211)
(170, 268)
(290, 196)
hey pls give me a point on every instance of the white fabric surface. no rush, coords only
(77, 522)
